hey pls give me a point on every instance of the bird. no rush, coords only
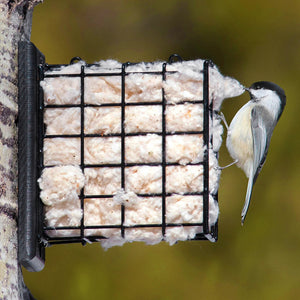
(250, 131)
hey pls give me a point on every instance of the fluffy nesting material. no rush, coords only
(180, 149)
(143, 149)
(148, 210)
(61, 184)
(148, 179)
(184, 149)
(184, 85)
(187, 209)
(102, 181)
(184, 117)
(66, 91)
(144, 179)
(64, 214)
(61, 151)
(141, 198)
(107, 120)
(102, 211)
(62, 120)
(143, 88)
(101, 120)
(216, 129)
(102, 150)
(143, 119)
(60, 187)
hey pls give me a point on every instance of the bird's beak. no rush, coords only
(252, 96)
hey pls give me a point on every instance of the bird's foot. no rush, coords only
(231, 164)
(222, 117)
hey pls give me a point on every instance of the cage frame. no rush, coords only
(32, 231)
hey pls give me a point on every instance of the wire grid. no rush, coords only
(207, 113)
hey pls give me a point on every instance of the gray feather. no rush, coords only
(262, 126)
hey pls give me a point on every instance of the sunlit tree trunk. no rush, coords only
(15, 24)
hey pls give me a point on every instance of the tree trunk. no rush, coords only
(15, 24)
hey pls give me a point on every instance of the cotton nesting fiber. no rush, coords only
(62, 120)
(141, 211)
(60, 184)
(184, 148)
(100, 90)
(138, 88)
(103, 66)
(145, 67)
(102, 181)
(144, 179)
(179, 148)
(61, 151)
(68, 69)
(146, 118)
(143, 88)
(102, 211)
(216, 129)
(179, 179)
(184, 209)
(102, 150)
(147, 210)
(184, 179)
(61, 90)
(180, 88)
(179, 209)
(102, 120)
(184, 85)
(222, 87)
(60, 187)
(214, 172)
(184, 117)
(143, 149)
(187, 84)
(189, 178)
(150, 235)
(63, 214)
(189, 209)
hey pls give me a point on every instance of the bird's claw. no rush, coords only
(221, 116)
(231, 164)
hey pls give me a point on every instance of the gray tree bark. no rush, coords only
(15, 24)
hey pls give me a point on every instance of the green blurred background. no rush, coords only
(250, 40)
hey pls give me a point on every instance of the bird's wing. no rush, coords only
(262, 126)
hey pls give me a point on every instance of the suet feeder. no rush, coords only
(35, 231)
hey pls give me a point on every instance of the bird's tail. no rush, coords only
(248, 197)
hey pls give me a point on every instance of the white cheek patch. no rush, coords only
(269, 99)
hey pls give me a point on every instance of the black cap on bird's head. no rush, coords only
(267, 85)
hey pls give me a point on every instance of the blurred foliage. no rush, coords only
(250, 40)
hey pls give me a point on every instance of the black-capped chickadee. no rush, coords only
(251, 129)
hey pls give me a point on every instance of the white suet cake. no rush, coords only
(100, 173)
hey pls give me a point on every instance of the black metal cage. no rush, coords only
(33, 232)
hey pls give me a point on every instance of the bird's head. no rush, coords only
(261, 89)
